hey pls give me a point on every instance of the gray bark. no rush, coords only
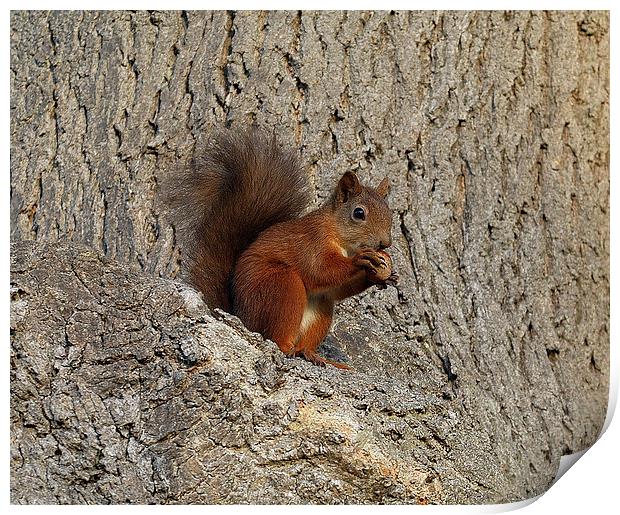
(494, 130)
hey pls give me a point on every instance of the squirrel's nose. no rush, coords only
(383, 244)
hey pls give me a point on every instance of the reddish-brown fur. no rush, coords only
(240, 185)
(279, 273)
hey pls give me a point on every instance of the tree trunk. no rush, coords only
(494, 130)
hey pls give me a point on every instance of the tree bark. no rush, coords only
(494, 130)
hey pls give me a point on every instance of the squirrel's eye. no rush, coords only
(359, 213)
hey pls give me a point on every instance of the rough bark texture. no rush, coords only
(487, 363)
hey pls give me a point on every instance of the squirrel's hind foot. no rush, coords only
(314, 358)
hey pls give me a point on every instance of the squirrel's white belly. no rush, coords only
(309, 316)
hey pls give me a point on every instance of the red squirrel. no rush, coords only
(252, 253)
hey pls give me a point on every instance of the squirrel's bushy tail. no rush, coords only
(224, 199)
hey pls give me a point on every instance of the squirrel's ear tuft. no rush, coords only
(348, 186)
(384, 188)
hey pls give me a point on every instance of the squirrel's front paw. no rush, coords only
(392, 280)
(378, 265)
(372, 259)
